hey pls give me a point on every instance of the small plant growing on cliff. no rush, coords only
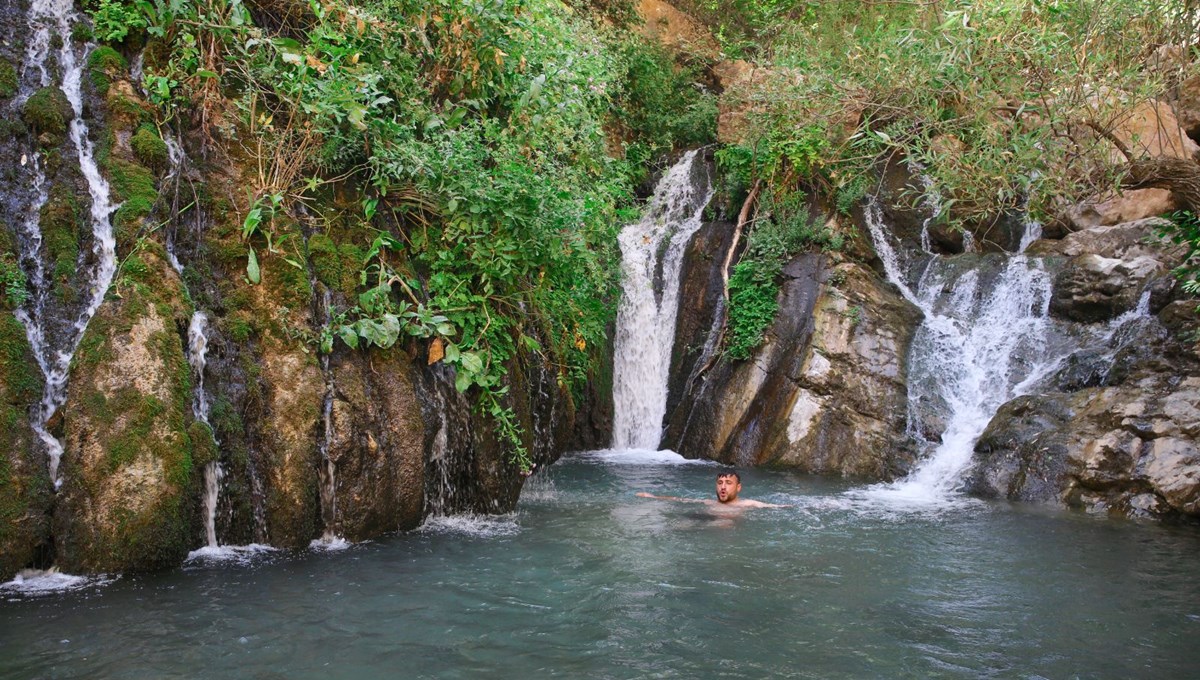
(113, 20)
(1183, 228)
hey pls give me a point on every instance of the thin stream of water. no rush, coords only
(49, 19)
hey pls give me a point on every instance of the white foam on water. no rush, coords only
(478, 526)
(230, 553)
(636, 457)
(330, 543)
(37, 582)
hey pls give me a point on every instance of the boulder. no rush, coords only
(676, 31)
(1022, 455)
(1128, 206)
(1187, 106)
(1125, 446)
(130, 487)
(1091, 288)
(1151, 129)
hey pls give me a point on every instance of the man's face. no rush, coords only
(728, 488)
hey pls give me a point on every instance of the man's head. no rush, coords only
(729, 485)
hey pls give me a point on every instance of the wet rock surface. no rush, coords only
(824, 394)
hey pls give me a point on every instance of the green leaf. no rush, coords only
(471, 362)
(349, 336)
(252, 271)
(462, 381)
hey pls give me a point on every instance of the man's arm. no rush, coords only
(747, 503)
(643, 494)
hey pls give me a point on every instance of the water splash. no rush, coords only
(50, 24)
(646, 318)
(38, 582)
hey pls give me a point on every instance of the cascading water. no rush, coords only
(985, 339)
(50, 20)
(646, 317)
(213, 473)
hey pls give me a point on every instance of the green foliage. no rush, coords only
(13, 281)
(1183, 228)
(984, 95)
(473, 135)
(785, 228)
(8, 79)
(658, 102)
(113, 20)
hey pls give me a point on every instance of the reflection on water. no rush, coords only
(587, 580)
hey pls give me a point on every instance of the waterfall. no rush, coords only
(213, 472)
(984, 340)
(646, 316)
(49, 20)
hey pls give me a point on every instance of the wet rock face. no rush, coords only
(1023, 453)
(25, 491)
(376, 445)
(128, 500)
(1118, 435)
(824, 394)
(1092, 288)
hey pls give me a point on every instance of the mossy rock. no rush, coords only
(25, 490)
(133, 185)
(60, 223)
(47, 112)
(149, 148)
(105, 64)
(128, 502)
(8, 79)
(204, 445)
(125, 111)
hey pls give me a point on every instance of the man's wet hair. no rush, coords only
(730, 473)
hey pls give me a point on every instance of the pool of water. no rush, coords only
(587, 580)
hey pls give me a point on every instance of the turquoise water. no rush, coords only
(586, 580)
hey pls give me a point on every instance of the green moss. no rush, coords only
(204, 446)
(149, 148)
(239, 329)
(81, 33)
(125, 113)
(327, 264)
(60, 221)
(47, 112)
(104, 64)
(225, 419)
(8, 79)
(19, 376)
(133, 185)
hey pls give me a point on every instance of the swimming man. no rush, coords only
(729, 485)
